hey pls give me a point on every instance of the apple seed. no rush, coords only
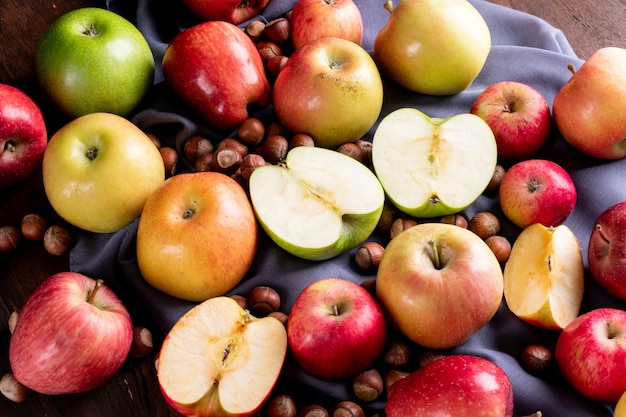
(536, 358)
(348, 409)
(57, 240)
(500, 246)
(368, 385)
(368, 256)
(281, 405)
(10, 238)
(34, 226)
(13, 389)
(263, 300)
(484, 224)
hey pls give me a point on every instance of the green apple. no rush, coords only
(317, 203)
(94, 60)
(98, 171)
(435, 47)
(433, 166)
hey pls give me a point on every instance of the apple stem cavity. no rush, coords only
(9, 146)
(93, 292)
(90, 31)
(601, 234)
(92, 153)
(436, 259)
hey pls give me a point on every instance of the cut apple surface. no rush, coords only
(317, 203)
(433, 166)
(544, 276)
(219, 360)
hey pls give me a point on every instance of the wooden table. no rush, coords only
(134, 391)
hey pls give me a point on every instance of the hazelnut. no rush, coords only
(10, 238)
(276, 63)
(280, 316)
(34, 226)
(234, 144)
(313, 411)
(368, 256)
(500, 246)
(392, 376)
(348, 409)
(368, 385)
(226, 160)
(278, 30)
(13, 389)
(352, 150)
(254, 30)
(251, 132)
(204, 162)
(154, 139)
(494, 184)
(456, 219)
(370, 285)
(268, 50)
(484, 224)
(12, 322)
(397, 353)
(275, 128)
(196, 146)
(281, 405)
(263, 300)
(536, 358)
(366, 150)
(429, 356)
(142, 342)
(301, 139)
(57, 240)
(274, 148)
(249, 163)
(170, 159)
(400, 225)
(241, 300)
(387, 217)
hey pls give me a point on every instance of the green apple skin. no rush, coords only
(94, 60)
(589, 109)
(434, 47)
(331, 89)
(98, 171)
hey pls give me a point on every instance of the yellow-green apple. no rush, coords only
(23, 135)
(98, 171)
(455, 385)
(73, 333)
(218, 360)
(94, 60)
(216, 69)
(620, 407)
(606, 252)
(588, 109)
(591, 354)
(519, 116)
(314, 19)
(317, 203)
(232, 11)
(439, 284)
(433, 166)
(336, 329)
(331, 89)
(197, 236)
(435, 47)
(537, 191)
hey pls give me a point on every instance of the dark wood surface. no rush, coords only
(134, 391)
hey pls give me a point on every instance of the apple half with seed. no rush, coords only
(433, 166)
(317, 203)
(219, 360)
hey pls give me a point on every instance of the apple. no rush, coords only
(23, 135)
(216, 69)
(317, 203)
(591, 354)
(518, 115)
(330, 321)
(435, 47)
(606, 250)
(433, 166)
(588, 109)
(438, 284)
(620, 407)
(94, 60)
(314, 19)
(537, 191)
(218, 360)
(231, 11)
(331, 89)
(455, 385)
(197, 236)
(73, 333)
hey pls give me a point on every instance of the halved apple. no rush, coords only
(544, 276)
(433, 166)
(219, 360)
(317, 203)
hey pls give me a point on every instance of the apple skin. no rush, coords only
(537, 191)
(64, 342)
(98, 171)
(606, 252)
(331, 89)
(455, 385)
(23, 135)
(434, 47)
(329, 322)
(518, 115)
(94, 60)
(220, 86)
(591, 354)
(231, 11)
(314, 19)
(620, 407)
(439, 306)
(589, 109)
(197, 236)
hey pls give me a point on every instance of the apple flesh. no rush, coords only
(455, 385)
(23, 135)
(317, 203)
(73, 333)
(432, 166)
(220, 361)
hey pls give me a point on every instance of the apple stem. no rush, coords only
(436, 260)
(572, 68)
(330, 1)
(335, 310)
(93, 292)
(602, 235)
(389, 6)
(90, 31)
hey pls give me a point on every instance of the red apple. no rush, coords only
(216, 69)
(518, 115)
(455, 385)
(336, 329)
(591, 354)
(314, 19)
(23, 135)
(537, 191)
(232, 11)
(73, 333)
(606, 253)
